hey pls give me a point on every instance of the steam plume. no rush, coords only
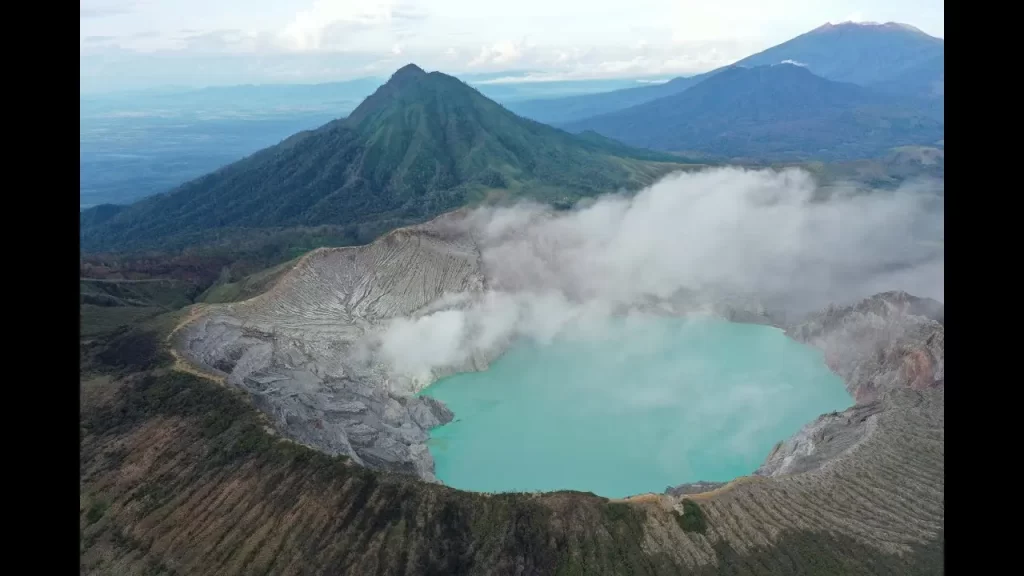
(773, 236)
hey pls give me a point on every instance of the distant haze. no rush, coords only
(772, 235)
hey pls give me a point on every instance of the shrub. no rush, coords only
(692, 518)
(96, 511)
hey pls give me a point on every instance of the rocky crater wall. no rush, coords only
(297, 349)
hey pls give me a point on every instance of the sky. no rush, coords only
(140, 44)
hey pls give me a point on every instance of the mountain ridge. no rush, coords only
(776, 112)
(840, 52)
(558, 111)
(866, 54)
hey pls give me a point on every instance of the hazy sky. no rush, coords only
(146, 43)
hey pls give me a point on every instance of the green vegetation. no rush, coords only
(96, 511)
(227, 291)
(101, 320)
(421, 145)
(692, 519)
(133, 350)
(118, 291)
(167, 294)
(128, 349)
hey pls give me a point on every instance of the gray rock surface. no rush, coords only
(888, 341)
(297, 348)
(693, 488)
(883, 344)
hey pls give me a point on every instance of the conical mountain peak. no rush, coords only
(408, 71)
(404, 77)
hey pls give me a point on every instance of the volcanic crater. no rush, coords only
(299, 351)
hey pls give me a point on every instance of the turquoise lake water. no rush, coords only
(651, 403)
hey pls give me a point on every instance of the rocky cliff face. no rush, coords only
(888, 341)
(883, 344)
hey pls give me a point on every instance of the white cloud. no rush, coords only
(573, 38)
(309, 29)
(504, 52)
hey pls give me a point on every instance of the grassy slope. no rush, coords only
(117, 291)
(247, 287)
(101, 320)
(108, 305)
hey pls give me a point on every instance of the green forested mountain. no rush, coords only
(420, 145)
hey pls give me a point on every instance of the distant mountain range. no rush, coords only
(895, 57)
(420, 145)
(891, 57)
(775, 112)
(562, 110)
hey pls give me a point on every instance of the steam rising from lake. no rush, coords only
(774, 236)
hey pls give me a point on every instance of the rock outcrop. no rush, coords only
(297, 349)
(693, 488)
(888, 341)
(879, 346)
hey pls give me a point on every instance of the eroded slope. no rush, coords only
(297, 349)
